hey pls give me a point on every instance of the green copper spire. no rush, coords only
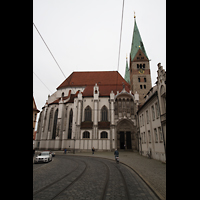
(137, 43)
(127, 73)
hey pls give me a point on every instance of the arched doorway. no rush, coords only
(126, 134)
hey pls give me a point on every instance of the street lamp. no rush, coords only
(74, 145)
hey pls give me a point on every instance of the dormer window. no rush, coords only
(63, 94)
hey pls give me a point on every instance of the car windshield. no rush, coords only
(44, 153)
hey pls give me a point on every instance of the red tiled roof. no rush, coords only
(106, 80)
(104, 90)
(90, 78)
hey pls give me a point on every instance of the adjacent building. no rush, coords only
(152, 119)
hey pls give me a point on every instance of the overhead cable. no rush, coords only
(49, 49)
(41, 81)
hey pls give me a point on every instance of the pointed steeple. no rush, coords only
(127, 73)
(136, 42)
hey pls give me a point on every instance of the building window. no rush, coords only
(104, 114)
(55, 125)
(104, 134)
(70, 125)
(138, 79)
(149, 134)
(140, 121)
(157, 110)
(50, 119)
(143, 65)
(140, 86)
(86, 134)
(138, 58)
(63, 94)
(160, 134)
(147, 114)
(138, 66)
(144, 86)
(144, 138)
(88, 114)
(156, 135)
(145, 80)
(153, 112)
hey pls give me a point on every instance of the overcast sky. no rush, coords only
(83, 35)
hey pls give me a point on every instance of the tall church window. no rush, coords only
(104, 134)
(86, 134)
(70, 125)
(55, 124)
(143, 65)
(116, 107)
(50, 119)
(104, 114)
(88, 114)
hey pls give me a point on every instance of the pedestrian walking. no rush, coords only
(93, 150)
(65, 150)
(116, 153)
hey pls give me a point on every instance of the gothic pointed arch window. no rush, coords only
(50, 119)
(55, 124)
(88, 114)
(104, 114)
(70, 125)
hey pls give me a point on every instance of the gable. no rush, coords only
(140, 56)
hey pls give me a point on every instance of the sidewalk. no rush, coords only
(153, 172)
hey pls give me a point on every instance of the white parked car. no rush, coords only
(44, 156)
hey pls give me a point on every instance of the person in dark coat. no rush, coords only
(116, 153)
(93, 150)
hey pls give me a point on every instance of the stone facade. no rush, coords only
(152, 120)
(102, 116)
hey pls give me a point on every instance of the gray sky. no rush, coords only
(83, 35)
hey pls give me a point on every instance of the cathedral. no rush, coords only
(97, 108)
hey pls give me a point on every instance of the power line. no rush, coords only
(120, 35)
(120, 42)
(41, 81)
(49, 50)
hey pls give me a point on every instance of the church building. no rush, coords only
(100, 109)
(89, 109)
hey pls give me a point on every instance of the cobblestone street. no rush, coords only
(80, 177)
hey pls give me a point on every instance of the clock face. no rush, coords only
(141, 71)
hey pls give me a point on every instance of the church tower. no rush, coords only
(140, 76)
